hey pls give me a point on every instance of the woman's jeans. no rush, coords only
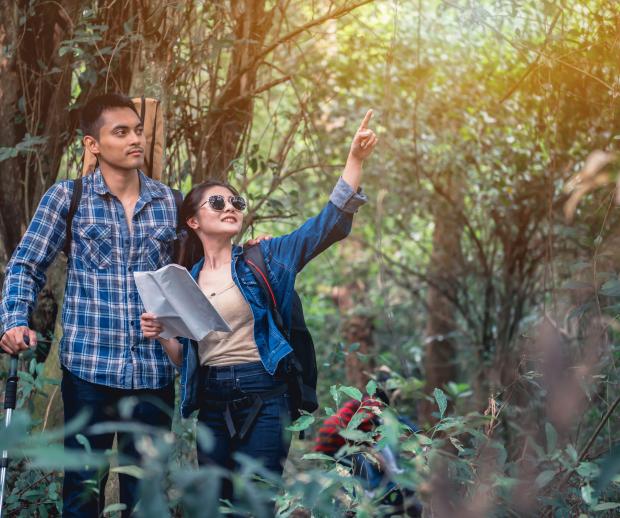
(101, 404)
(266, 440)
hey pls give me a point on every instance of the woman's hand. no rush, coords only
(256, 240)
(151, 327)
(364, 142)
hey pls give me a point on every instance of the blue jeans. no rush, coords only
(101, 403)
(266, 440)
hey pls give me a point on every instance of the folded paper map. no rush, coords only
(180, 306)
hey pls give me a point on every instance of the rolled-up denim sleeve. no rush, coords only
(330, 225)
(346, 199)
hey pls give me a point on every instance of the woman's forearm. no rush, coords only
(352, 173)
(173, 349)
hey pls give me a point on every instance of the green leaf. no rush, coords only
(301, 423)
(371, 387)
(317, 456)
(577, 285)
(572, 452)
(606, 506)
(333, 390)
(611, 288)
(442, 401)
(84, 442)
(457, 444)
(552, 437)
(506, 482)
(587, 493)
(610, 467)
(588, 470)
(113, 508)
(352, 392)
(55, 456)
(7, 153)
(355, 435)
(357, 419)
(423, 439)
(544, 478)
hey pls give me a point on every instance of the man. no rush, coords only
(125, 222)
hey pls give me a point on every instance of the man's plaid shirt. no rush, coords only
(102, 342)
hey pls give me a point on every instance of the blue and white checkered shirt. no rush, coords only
(102, 342)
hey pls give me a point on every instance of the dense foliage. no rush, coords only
(496, 315)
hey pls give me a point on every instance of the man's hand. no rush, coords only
(151, 327)
(14, 340)
(256, 240)
(364, 141)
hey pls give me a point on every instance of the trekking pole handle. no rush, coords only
(10, 395)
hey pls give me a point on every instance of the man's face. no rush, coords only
(121, 139)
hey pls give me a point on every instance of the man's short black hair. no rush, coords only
(90, 116)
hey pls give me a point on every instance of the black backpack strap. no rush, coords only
(254, 257)
(153, 137)
(178, 200)
(76, 196)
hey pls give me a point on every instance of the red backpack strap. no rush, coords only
(253, 256)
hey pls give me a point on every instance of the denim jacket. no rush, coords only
(285, 256)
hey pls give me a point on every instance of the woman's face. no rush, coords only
(211, 221)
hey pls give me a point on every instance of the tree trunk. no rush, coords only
(231, 112)
(34, 105)
(356, 328)
(444, 266)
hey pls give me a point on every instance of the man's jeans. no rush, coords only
(101, 403)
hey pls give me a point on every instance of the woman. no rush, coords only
(221, 375)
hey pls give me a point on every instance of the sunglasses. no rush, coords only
(218, 202)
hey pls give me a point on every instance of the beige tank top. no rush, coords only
(238, 346)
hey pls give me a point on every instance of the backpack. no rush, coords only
(153, 121)
(300, 365)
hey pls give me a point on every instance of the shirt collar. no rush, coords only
(149, 189)
(99, 185)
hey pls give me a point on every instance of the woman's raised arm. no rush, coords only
(364, 142)
(333, 223)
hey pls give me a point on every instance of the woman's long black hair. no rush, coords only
(190, 247)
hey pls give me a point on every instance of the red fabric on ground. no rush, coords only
(329, 440)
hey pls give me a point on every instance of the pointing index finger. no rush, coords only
(366, 120)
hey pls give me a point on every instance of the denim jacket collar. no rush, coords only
(237, 250)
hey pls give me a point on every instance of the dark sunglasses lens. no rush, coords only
(238, 203)
(217, 202)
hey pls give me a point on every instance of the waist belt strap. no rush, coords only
(254, 401)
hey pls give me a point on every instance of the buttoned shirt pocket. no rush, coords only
(159, 246)
(95, 245)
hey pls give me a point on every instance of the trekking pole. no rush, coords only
(10, 399)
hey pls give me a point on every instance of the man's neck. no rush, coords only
(122, 183)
